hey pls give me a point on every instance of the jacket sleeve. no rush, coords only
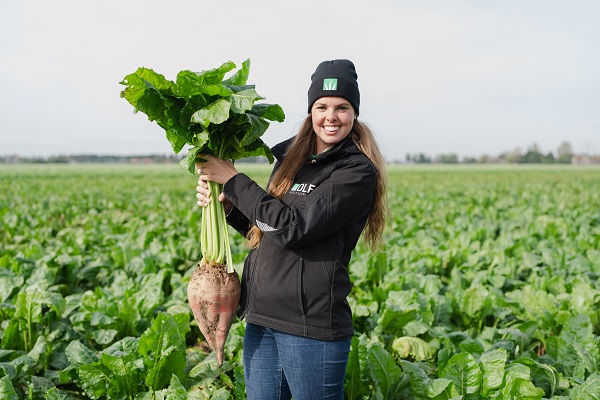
(334, 203)
(238, 221)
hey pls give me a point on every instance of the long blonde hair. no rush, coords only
(302, 147)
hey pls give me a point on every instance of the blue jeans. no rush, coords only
(278, 365)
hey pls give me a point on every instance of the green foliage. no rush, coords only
(163, 349)
(152, 363)
(487, 287)
(7, 391)
(214, 115)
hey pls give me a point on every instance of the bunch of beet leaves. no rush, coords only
(220, 117)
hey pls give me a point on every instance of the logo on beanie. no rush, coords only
(330, 84)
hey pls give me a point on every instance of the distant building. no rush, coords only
(584, 159)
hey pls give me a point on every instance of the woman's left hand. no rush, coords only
(215, 169)
(203, 196)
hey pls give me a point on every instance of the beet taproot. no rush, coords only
(214, 295)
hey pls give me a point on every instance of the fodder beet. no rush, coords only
(214, 295)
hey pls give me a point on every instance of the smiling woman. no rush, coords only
(327, 186)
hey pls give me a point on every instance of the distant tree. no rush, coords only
(564, 154)
(447, 159)
(533, 155)
(422, 159)
(58, 159)
(548, 158)
(255, 160)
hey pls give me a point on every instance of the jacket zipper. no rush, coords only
(301, 293)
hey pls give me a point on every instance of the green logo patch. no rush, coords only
(330, 84)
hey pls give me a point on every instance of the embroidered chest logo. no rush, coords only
(302, 188)
(330, 84)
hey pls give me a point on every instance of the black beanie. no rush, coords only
(334, 78)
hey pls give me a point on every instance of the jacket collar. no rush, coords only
(346, 145)
(280, 149)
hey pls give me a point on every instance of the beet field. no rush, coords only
(488, 286)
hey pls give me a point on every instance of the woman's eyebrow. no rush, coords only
(345, 103)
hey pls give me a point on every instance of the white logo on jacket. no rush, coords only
(302, 188)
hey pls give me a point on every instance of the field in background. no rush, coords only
(487, 286)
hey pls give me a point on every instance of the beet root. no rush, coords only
(214, 295)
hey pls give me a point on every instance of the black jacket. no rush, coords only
(297, 280)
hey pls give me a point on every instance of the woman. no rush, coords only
(328, 184)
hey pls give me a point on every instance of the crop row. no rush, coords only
(487, 287)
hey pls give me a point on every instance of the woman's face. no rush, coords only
(332, 119)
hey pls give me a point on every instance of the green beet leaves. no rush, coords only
(204, 110)
(213, 115)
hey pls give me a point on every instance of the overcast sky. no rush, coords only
(465, 77)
